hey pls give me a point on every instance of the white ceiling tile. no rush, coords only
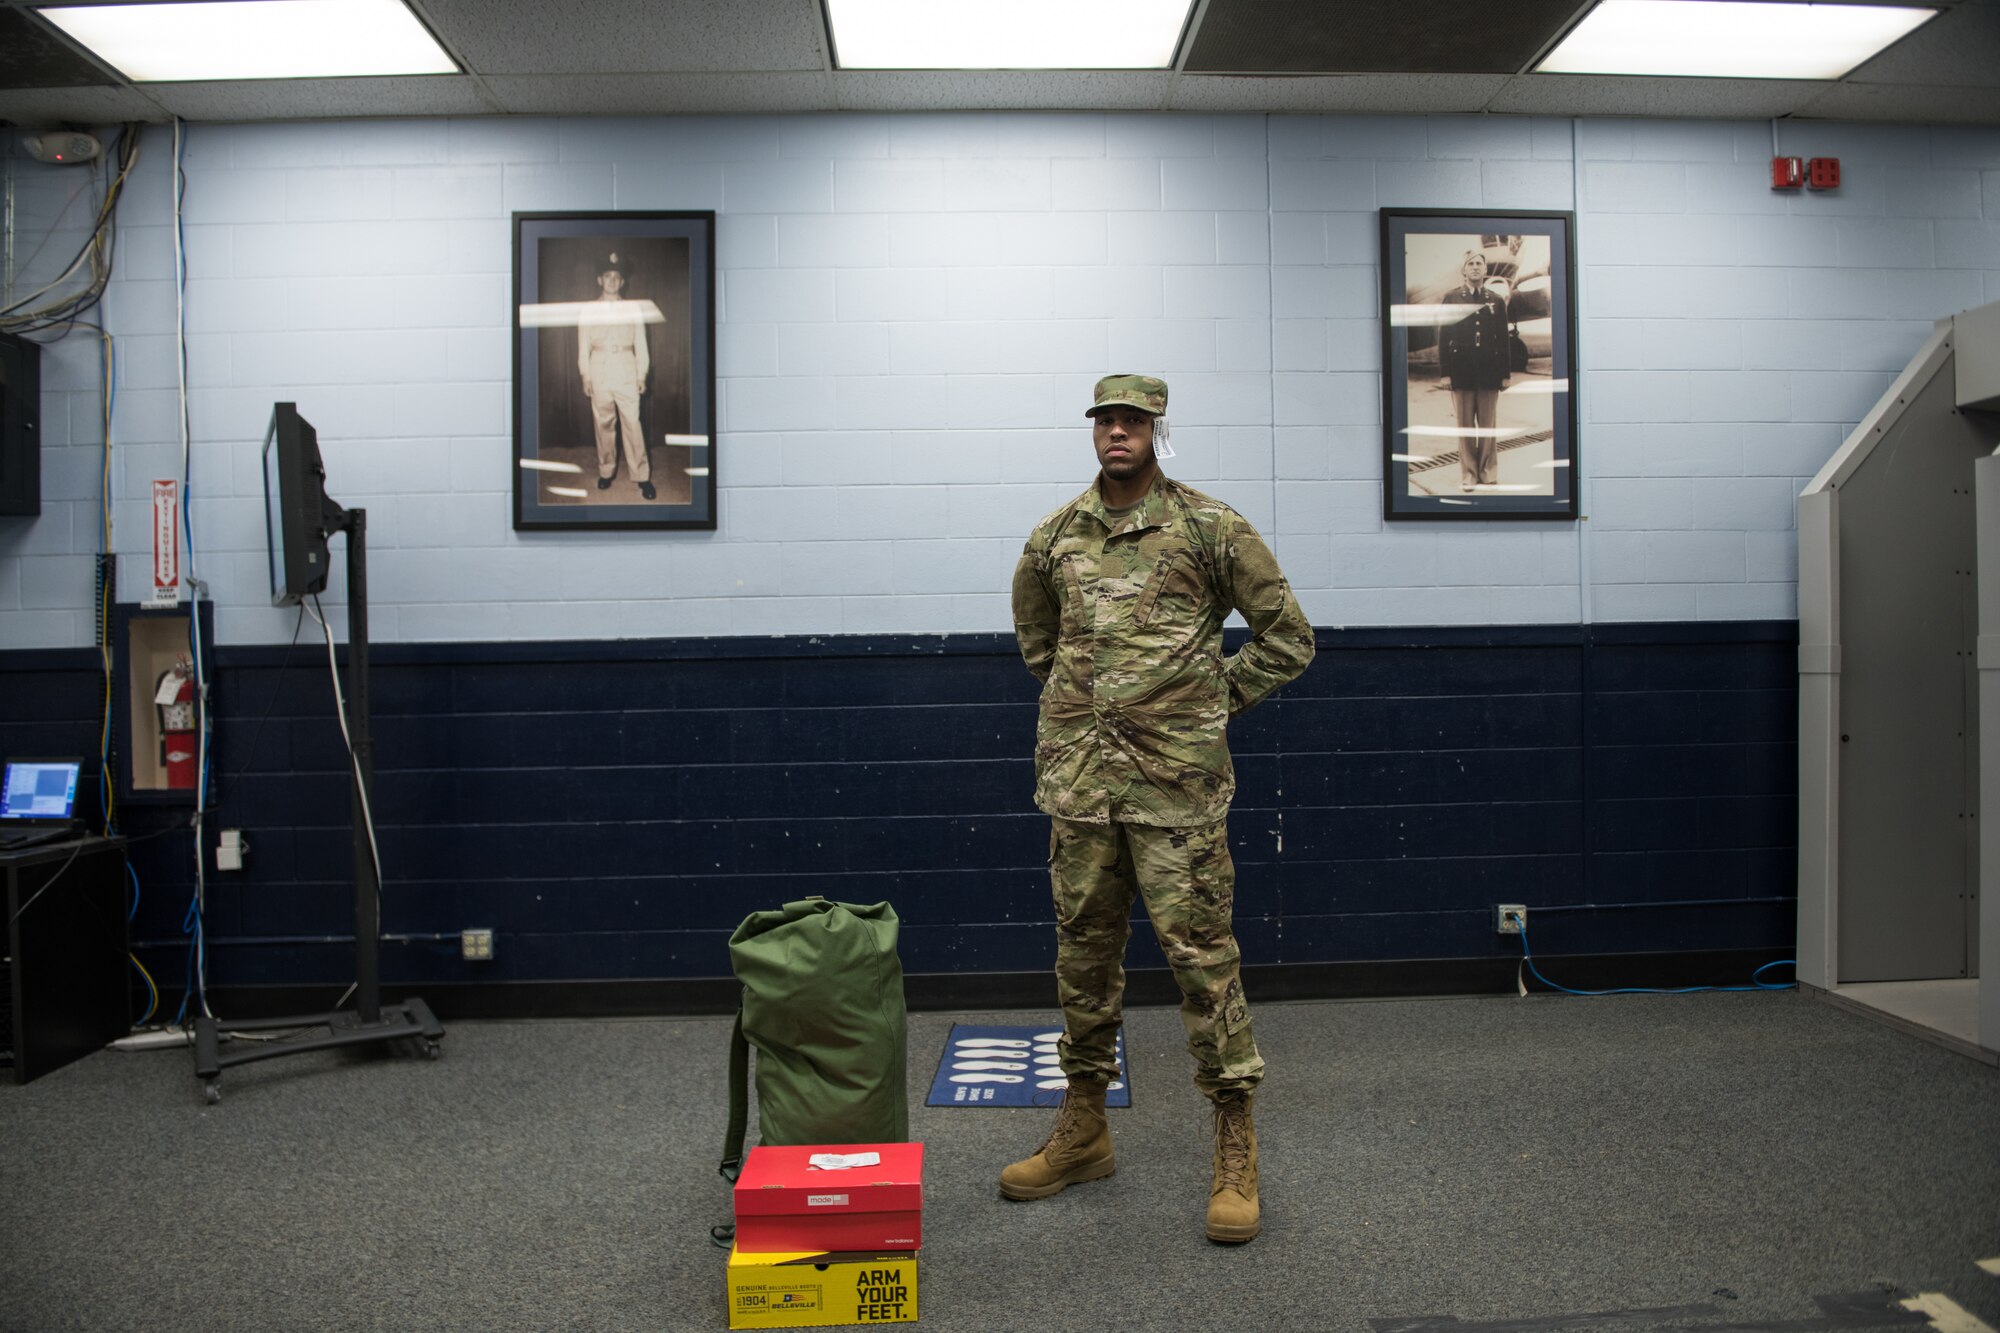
(658, 94)
(324, 99)
(1001, 90)
(1959, 47)
(1375, 93)
(79, 106)
(1614, 95)
(1867, 101)
(630, 36)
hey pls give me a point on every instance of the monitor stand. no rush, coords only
(370, 1021)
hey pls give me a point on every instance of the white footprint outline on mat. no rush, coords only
(987, 1066)
(1052, 1083)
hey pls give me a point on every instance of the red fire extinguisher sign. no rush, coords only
(166, 590)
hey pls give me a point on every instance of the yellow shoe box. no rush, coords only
(791, 1290)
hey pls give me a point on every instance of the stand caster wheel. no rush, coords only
(432, 1050)
(211, 1092)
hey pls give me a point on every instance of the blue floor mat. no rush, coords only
(1009, 1066)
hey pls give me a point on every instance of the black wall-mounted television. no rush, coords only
(297, 513)
(20, 425)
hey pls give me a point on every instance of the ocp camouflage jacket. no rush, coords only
(1123, 625)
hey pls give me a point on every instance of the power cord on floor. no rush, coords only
(1528, 962)
(152, 989)
(74, 851)
(191, 924)
(152, 992)
(144, 1038)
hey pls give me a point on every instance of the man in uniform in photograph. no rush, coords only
(1119, 601)
(1474, 354)
(611, 356)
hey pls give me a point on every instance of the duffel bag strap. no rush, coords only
(739, 1102)
(739, 1120)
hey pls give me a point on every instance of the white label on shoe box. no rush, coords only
(826, 1201)
(839, 1161)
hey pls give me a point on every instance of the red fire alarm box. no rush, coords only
(1823, 173)
(1787, 173)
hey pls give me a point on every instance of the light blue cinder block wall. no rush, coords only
(912, 310)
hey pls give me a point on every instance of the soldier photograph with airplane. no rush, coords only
(1479, 336)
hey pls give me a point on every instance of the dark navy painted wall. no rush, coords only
(612, 810)
(1635, 786)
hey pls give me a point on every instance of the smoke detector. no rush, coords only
(63, 146)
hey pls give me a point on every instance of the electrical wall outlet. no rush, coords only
(1509, 918)
(229, 849)
(477, 944)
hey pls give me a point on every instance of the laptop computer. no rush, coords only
(38, 802)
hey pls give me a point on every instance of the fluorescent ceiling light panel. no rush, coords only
(1729, 39)
(255, 39)
(1006, 34)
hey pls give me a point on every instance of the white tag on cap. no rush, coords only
(834, 1161)
(1162, 445)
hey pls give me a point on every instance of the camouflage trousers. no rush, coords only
(1188, 883)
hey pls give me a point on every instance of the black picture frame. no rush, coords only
(654, 343)
(1478, 409)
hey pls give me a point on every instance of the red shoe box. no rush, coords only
(784, 1203)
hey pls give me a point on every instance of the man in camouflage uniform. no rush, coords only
(1119, 601)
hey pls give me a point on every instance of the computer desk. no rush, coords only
(66, 981)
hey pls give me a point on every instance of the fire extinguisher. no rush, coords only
(174, 698)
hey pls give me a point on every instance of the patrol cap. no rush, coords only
(615, 263)
(1144, 392)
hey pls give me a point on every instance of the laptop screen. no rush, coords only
(40, 789)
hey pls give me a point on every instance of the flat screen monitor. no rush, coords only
(297, 513)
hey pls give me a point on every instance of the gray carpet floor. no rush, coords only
(1705, 1162)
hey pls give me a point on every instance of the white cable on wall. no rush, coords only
(1577, 379)
(204, 732)
(1271, 328)
(312, 608)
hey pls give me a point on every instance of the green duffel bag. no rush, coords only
(823, 1005)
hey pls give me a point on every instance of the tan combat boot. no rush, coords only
(1232, 1199)
(1078, 1149)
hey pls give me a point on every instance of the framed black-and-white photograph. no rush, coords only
(614, 370)
(1478, 364)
